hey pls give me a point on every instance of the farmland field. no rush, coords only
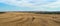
(29, 19)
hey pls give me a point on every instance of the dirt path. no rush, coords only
(29, 19)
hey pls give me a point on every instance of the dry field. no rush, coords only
(29, 19)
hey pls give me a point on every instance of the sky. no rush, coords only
(29, 5)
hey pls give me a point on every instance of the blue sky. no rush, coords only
(6, 7)
(29, 5)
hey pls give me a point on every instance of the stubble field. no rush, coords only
(29, 19)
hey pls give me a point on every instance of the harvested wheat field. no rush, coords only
(29, 19)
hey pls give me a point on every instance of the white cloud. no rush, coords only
(36, 4)
(54, 5)
(24, 2)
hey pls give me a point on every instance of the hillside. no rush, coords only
(29, 19)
